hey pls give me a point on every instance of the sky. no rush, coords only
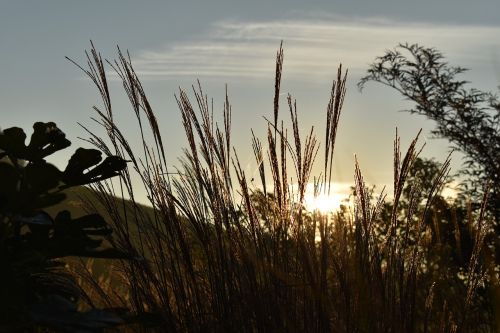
(234, 43)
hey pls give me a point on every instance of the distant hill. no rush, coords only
(78, 199)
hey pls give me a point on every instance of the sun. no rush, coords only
(323, 202)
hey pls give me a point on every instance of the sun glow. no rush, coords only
(324, 203)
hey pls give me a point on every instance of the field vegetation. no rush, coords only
(214, 253)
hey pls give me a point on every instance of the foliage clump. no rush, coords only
(468, 118)
(36, 289)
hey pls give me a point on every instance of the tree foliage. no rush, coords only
(468, 118)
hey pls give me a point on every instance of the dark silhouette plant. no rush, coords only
(36, 289)
(468, 118)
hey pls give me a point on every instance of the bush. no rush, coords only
(36, 288)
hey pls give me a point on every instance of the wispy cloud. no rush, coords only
(313, 47)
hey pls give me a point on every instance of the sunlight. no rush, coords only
(323, 202)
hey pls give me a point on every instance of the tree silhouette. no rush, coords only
(468, 118)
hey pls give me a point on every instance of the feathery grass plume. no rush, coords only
(333, 109)
(277, 85)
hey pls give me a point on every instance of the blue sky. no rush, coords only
(173, 43)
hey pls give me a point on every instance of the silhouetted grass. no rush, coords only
(218, 255)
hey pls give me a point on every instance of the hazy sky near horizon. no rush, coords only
(174, 43)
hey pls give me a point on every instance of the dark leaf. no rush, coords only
(12, 142)
(81, 160)
(108, 168)
(46, 139)
(90, 221)
(40, 219)
(9, 180)
(80, 237)
(42, 176)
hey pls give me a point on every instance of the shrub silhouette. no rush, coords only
(468, 118)
(36, 290)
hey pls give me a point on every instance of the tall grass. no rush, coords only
(219, 255)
